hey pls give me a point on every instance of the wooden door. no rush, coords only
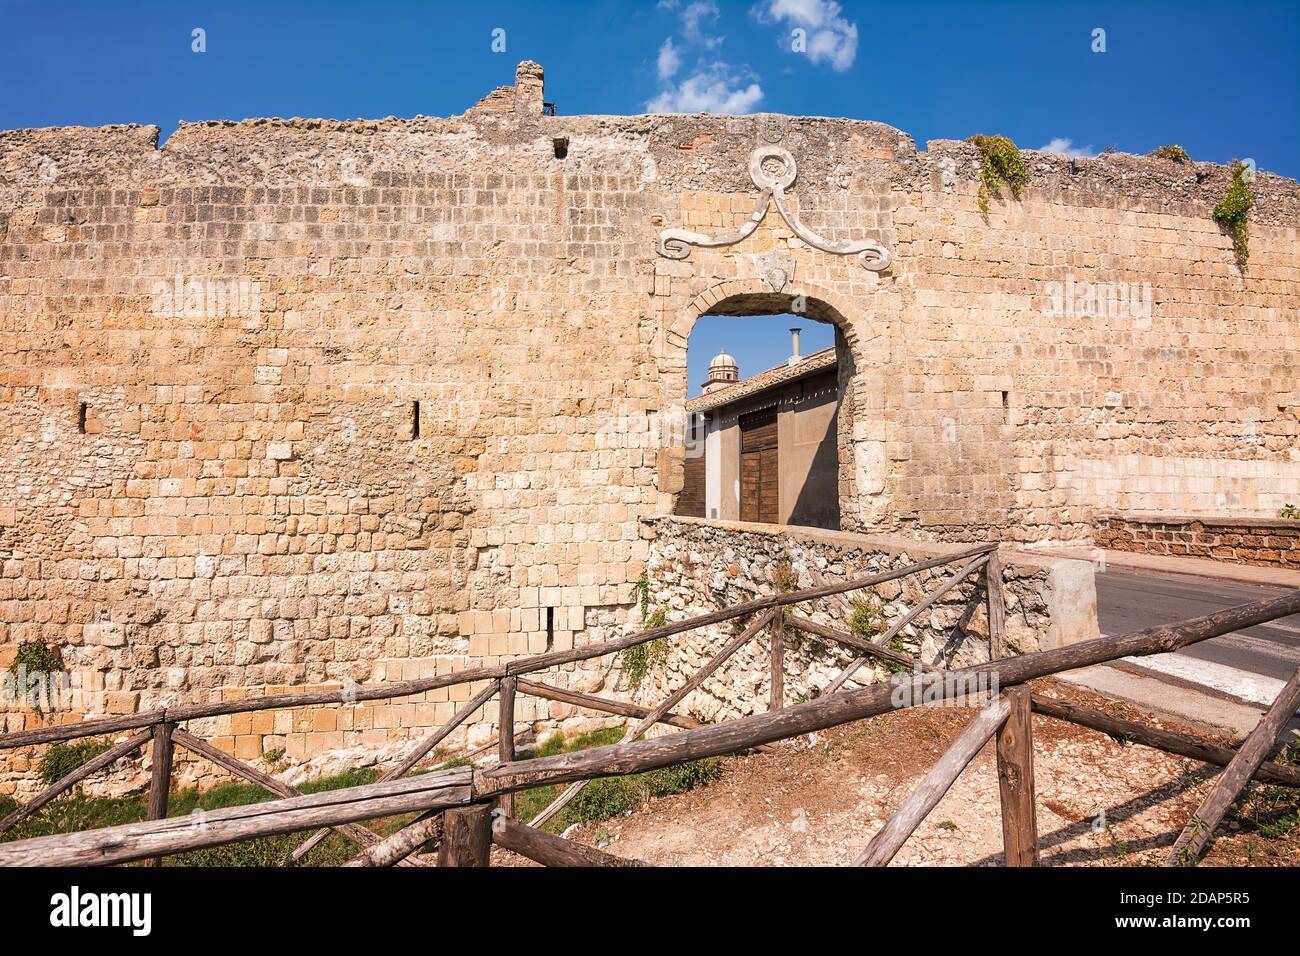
(759, 463)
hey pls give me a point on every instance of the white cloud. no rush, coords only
(1065, 147)
(669, 59)
(829, 37)
(716, 88)
(710, 86)
(693, 16)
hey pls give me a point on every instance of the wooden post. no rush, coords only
(1185, 745)
(466, 836)
(656, 715)
(776, 698)
(548, 850)
(160, 777)
(1187, 849)
(1015, 747)
(883, 640)
(997, 607)
(927, 794)
(75, 777)
(506, 727)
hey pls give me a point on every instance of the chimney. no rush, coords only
(794, 346)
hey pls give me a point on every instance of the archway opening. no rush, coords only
(762, 425)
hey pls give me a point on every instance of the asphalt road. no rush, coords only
(1129, 600)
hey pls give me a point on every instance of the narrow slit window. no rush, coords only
(550, 628)
(81, 417)
(415, 420)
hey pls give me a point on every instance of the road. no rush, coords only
(1129, 600)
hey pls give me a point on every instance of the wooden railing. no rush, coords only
(457, 806)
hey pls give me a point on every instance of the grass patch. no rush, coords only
(599, 800)
(609, 796)
(1272, 811)
(61, 759)
(77, 811)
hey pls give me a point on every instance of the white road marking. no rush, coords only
(1254, 688)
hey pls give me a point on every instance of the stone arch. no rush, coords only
(755, 289)
(862, 356)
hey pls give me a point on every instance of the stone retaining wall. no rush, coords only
(697, 566)
(1261, 542)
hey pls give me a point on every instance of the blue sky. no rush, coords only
(1218, 78)
(756, 342)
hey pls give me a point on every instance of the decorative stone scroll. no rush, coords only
(773, 170)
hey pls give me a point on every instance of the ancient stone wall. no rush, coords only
(288, 402)
(1262, 542)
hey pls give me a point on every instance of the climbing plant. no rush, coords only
(643, 590)
(1290, 511)
(640, 659)
(1233, 209)
(35, 659)
(1174, 153)
(1001, 165)
(866, 621)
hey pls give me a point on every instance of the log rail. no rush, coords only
(455, 805)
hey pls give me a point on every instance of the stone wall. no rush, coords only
(1263, 542)
(697, 566)
(288, 402)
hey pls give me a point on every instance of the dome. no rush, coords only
(723, 370)
(722, 360)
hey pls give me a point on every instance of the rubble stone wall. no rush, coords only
(698, 566)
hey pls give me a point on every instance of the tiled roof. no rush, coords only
(777, 375)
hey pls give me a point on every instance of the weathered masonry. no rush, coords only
(294, 401)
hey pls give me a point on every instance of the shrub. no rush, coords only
(35, 658)
(615, 796)
(866, 622)
(1002, 165)
(640, 659)
(1232, 211)
(683, 777)
(1174, 153)
(61, 759)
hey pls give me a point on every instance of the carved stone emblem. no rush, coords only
(773, 171)
(777, 269)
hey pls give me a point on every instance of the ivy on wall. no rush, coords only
(1001, 165)
(640, 659)
(1232, 211)
(35, 659)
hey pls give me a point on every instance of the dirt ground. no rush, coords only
(820, 799)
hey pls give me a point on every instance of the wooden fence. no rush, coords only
(469, 809)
